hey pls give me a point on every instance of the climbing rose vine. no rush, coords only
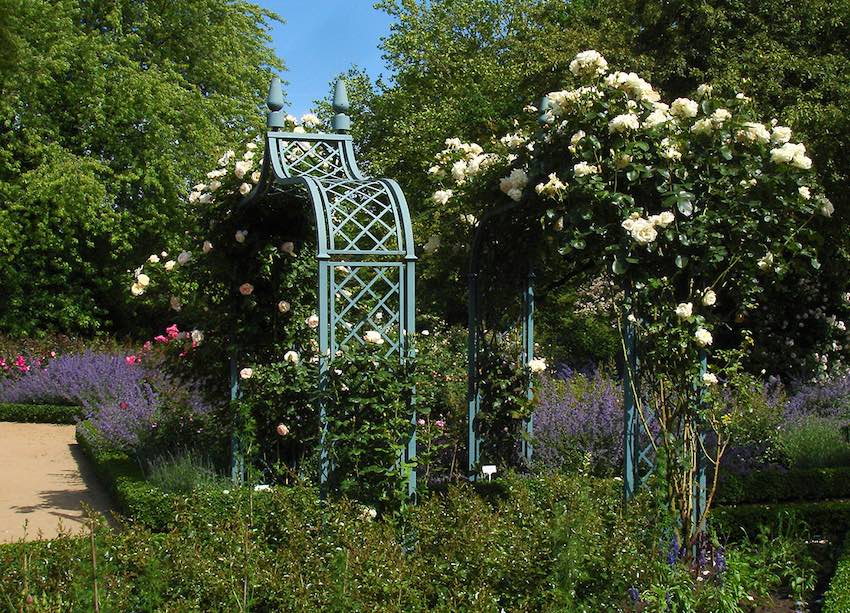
(691, 207)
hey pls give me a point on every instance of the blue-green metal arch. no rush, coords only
(364, 239)
(474, 341)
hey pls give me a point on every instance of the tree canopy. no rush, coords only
(107, 109)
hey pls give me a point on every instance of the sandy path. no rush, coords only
(44, 479)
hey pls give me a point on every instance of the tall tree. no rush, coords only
(107, 108)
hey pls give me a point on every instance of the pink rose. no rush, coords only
(131, 359)
(172, 331)
(246, 289)
(440, 423)
(282, 430)
(160, 339)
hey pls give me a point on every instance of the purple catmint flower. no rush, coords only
(634, 595)
(121, 400)
(720, 560)
(582, 413)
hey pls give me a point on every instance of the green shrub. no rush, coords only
(815, 443)
(785, 485)
(830, 519)
(543, 544)
(39, 413)
(837, 597)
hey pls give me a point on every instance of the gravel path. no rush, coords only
(44, 480)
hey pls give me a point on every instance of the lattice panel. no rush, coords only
(366, 297)
(319, 159)
(362, 217)
(645, 448)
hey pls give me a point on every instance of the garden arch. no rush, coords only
(364, 238)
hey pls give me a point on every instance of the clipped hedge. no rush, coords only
(837, 596)
(785, 485)
(828, 518)
(39, 413)
(124, 479)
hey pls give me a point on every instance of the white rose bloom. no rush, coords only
(754, 133)
(250, 146)
(153, 259)
(826, 207)
(310, 120)
(575, 138)
(437, 171)
(242, 167)
(291, 357)
(623, 123)
(702, 126)
(669, 150)
(583, 169)
(643, 232)
(720, 115)
(515, 194)
(793, 154)
(552, 187)
(194, 197)
(205, 199)
(459, 171)
(684, 107)
(684, 310)
(240, 236)
(766, 262)
(630, 221)
(246, 373)
(136, 289)
(513, 141)
(656, 118)
(704, 91)
(470, 219)
(442, 196)
(373, 337)
(290, 118)
(184, 258)
(312, 321)
(663, 219)
(143, 280)
(709, 298)
(780, 135)
(255, 176)
(589, 63)
(703, 337)
(215, 184)
(197, 337)
(537, 365)
(200, 187)
(283, 306)
(169, 265)
(709, 378)
(244, 188)
(248, 155)
(804, 192)
(216, 174)
(208, 246)
(299, 130)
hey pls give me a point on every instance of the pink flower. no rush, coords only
(21, 363)
(246, 289)
(123, 405)
(282, 430)
(160, 338)
(147, 346)
(172, 331)
(420, 422)
(131, 359)
(440, 423)
(52, 354)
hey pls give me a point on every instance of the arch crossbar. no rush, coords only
(364, 238)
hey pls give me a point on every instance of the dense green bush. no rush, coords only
(39, 413)
(837, 597)
(784, 485)
(815, 443)
(830, 518)
(556, 544)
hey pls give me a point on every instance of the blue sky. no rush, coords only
(322, 38)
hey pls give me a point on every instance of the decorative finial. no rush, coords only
(275, 103)
(545, 105)
(341, 121)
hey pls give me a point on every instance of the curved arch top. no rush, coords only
(356, 215)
